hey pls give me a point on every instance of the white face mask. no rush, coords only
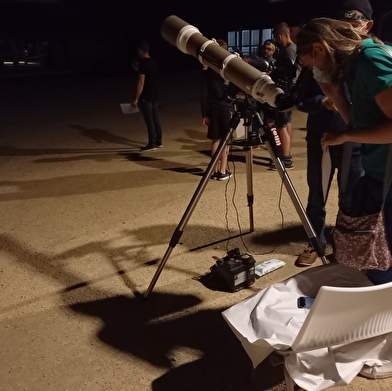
(319, 75)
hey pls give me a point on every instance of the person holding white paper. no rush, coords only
(342, 51)
(146, 96)
(322, 117)
(359, 13)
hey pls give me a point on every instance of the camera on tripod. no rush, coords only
(246, 106)
(256, 61)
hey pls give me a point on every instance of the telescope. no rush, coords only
(253, 83)
(230, 66)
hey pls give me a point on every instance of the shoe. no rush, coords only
(224, 177)
(272, 167)
(378, 372)
(288, 166)
(148, 148)
(287, 162)
(215, 176)
(159, 145)
(307, 257)
(331, 258)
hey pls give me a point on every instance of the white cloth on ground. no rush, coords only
(270, 320)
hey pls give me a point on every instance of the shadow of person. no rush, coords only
(162, 164)
(137, 327)
(194, 140)
(158, 333)
(101, 135)
(295, 233)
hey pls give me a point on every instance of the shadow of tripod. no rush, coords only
(244, 108)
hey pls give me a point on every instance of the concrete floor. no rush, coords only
(84, 219)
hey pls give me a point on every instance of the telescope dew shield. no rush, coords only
(230, 66)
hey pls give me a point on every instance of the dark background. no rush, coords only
(99, 36)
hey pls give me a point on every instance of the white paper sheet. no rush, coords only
(240, 130)
(128, 109)
(326, 167)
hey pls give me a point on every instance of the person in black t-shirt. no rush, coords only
(146, 96)
(283, 75)
(216, 115)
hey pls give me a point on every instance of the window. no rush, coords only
(266, 34)
(247, 42)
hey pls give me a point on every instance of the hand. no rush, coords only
(328, 104)
(134, 103)
(336, 93)
(330, 90)
(206, 121)
(332, 139)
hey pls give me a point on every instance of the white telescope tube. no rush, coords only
(230, 66)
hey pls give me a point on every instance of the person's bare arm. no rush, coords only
(335, 93)
(379, 134)
(139, 89)
(384, 101)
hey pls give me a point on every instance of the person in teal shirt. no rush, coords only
(339, 51)
(369, 77)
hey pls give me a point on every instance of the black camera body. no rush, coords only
(236, 270)
(257, 62)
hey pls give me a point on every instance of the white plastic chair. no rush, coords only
(340, 316)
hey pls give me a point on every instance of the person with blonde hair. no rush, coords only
(268, 51)
(337, 52)
(322, 116)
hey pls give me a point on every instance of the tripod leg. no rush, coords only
(193, 202)
(252, 139)
(276, 157)
(249, 183)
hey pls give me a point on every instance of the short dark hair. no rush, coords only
(282, 28)
(143, 46)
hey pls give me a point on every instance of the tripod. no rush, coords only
(243, 105)
(271, 140)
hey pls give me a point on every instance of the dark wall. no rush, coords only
(100, 35)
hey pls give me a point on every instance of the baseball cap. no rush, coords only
(363, 6)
